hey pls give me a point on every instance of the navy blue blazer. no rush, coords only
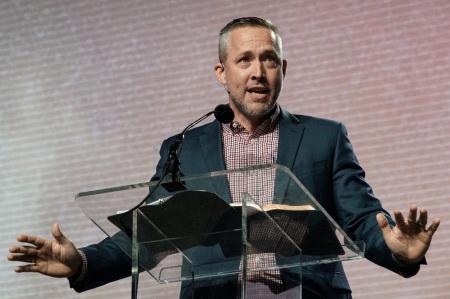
(320, 155)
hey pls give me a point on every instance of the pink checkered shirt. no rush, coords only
(243, 149)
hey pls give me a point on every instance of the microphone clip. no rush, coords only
(173, 167)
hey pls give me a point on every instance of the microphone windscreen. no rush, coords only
(224, 113)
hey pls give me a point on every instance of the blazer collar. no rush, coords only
(291, 133)
(212, 147)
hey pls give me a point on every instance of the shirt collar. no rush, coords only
(266, 127)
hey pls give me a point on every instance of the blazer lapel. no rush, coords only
(212, 150)
(212, 147)
(291, 133)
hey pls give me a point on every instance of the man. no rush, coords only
(318, 152)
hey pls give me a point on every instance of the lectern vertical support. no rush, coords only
(134, 258)
(244, 245)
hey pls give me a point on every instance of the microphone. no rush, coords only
(223, 114)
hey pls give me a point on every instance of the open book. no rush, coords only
(199, 218)
(276, 227)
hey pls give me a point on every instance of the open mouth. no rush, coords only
(260, 91)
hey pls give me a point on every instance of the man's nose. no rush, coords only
(258, 71)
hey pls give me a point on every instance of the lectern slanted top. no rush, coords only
(198, 235)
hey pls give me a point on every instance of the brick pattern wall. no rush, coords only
(89, 89)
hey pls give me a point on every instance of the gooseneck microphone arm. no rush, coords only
(173, 163)
(223, 113)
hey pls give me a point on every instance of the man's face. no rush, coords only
(253, 72)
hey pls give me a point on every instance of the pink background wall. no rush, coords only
(89, 89)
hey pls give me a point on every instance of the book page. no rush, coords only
(253, 208)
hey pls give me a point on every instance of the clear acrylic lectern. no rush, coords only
(217, 231)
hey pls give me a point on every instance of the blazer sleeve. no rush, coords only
(106, 262)
(357, 207)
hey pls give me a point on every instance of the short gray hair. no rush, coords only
(224, 35)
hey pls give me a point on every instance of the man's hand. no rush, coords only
(410, 239)
(55, 258)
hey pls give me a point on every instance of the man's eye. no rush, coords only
(244, 59)
(271, 59)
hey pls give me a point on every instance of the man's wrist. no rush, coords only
(81, 274)
(401, 262)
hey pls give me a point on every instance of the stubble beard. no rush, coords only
(253, 113)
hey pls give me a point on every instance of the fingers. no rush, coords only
(383, 223)
(23, 250)
(26, 268)
(56, 232)
(412, 215)
(423, 217)
(27, 249)
(27, 239)
(37, 241)
(34, 240)
(433, 227)
(417, 223)
(28, 253)
(25, 254)
(399, 219)
(58, 235)
(25, 258)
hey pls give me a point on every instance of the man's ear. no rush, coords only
(284, 67)
(220, 73)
